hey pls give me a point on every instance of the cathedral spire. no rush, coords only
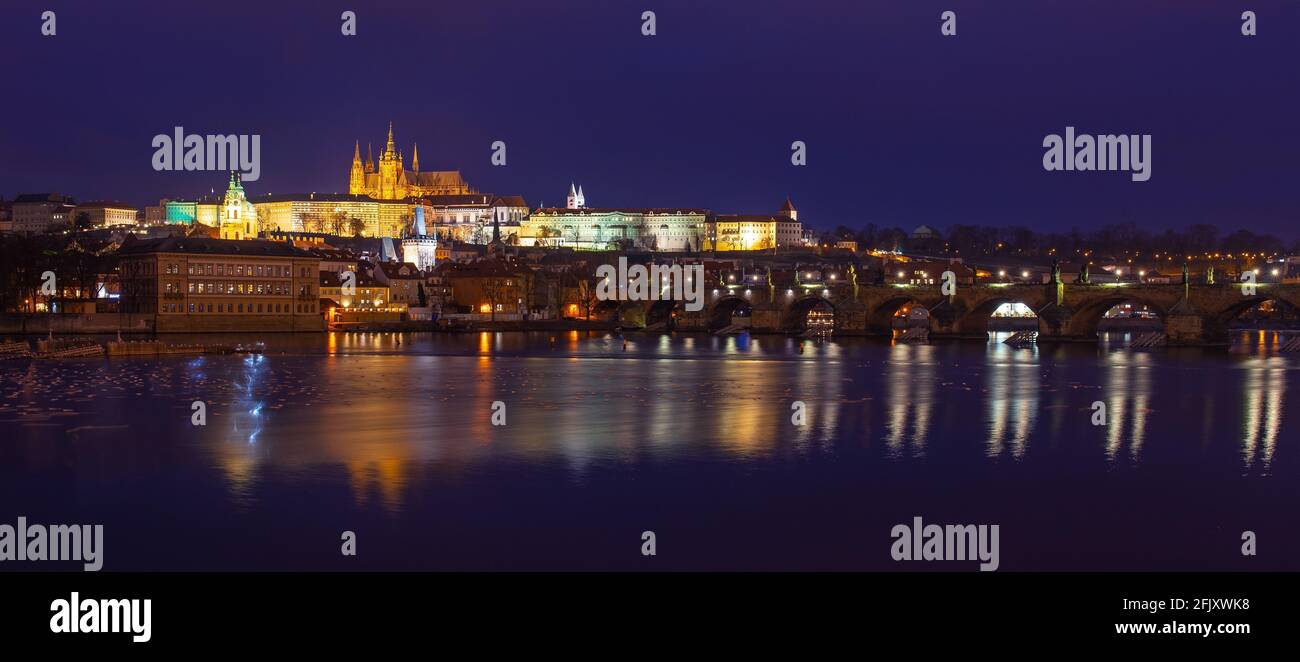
(370, 157)
(415, 157)
(390, 148)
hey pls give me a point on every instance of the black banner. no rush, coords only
(239, 611)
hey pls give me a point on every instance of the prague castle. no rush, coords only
(390, 180)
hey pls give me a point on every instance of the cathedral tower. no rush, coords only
(388, 167)
(357, 178)
(575, 200)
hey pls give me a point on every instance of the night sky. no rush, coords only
(903, 126)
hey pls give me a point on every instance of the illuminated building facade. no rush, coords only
(390, 180)
(582, 227)
(205, 211)
(492, 286)
(107, 214)
(205, 284)
(740, 232)
(337, 214)
(420, 248)
(604, 229)
(38, 212)
(238, 217)
(735, 232)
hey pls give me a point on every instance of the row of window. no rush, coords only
(230, 287)
(269, 308)
(223, 269)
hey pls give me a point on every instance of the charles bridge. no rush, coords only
(1193, 314)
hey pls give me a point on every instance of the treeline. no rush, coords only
(1109, 240)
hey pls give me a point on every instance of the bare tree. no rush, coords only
(497, 292)
(356, 226)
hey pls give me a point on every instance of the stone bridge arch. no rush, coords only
(1088, 314)
(1216, 326)
(1234, 310)
(880, 313)
(627, 314)
(795, 312)
(722, 308)
(975, 314)
(661, 311)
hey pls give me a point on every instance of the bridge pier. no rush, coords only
(1194, 329)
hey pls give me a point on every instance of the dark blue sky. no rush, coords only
(903, 126)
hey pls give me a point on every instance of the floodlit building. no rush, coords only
(205, 284)
(107, 214)
(390, 180)
(32, 213)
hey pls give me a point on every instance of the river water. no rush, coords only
(391, 437)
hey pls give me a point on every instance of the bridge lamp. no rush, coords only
(1275, 272)
(789, 293)
(900, 274)
(1142, 274)
(1024, 274)
(1002, 274)
(832, 276)
(747, 292)
(826, 293)
(1255, 271)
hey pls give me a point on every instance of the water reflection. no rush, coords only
(1262, 394)
(1128, 399)
(910, 381)
(385, 421)
(1012, 397)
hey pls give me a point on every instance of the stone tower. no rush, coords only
(357, 178)
(389, 168)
